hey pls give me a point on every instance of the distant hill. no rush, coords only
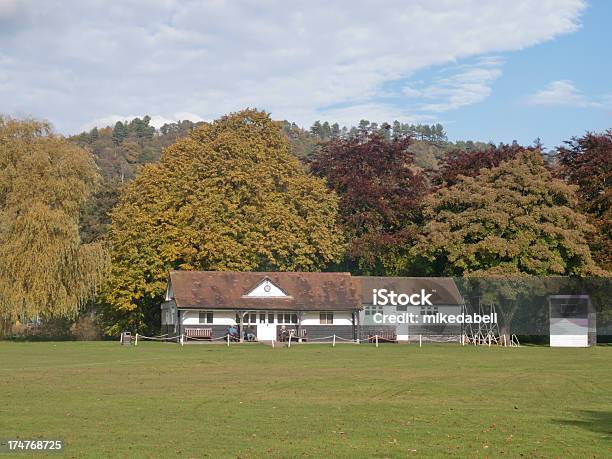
(121, 150)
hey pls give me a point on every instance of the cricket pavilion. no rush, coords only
(310, 306)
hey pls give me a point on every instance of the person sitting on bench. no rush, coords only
(249, 335)
(232, 331)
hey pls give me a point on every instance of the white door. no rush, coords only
(266, 326)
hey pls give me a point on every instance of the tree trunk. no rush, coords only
(5, 327)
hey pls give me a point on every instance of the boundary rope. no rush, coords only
(156, 338)
(475, 340)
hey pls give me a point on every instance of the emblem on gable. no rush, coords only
(266, 289)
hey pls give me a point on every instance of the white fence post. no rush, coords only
(420, 340)
(182, 339)
(136, 340)
(334, 342)
(376, 340)
(228, 335)
(289, 345)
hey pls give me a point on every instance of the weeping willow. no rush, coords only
(45, 270)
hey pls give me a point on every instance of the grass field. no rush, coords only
(161, 400)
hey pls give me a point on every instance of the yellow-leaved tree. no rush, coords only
(509, 220)
(45, 270)
(504, 230)
(228, 197)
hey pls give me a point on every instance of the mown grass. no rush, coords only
(161, 400)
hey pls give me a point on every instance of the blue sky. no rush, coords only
(490, 70)
(582, 60)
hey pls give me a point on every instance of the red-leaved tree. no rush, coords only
(469, 163)
(587, 162)
(380, 198)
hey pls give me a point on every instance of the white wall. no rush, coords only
(569, 340)
(219, 318)
(229, 318)
(340, 318)
(569, 332)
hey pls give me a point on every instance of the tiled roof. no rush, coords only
(228, 290)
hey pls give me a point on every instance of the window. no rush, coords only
(262, 317)
(371, 310)
(287, 318)
(429, 310)
(270, 317)
(326, 318)
(206, 318)
(251, 318)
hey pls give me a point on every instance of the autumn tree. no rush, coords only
(470, 161)
(303, 143)
(228, 197)
(511, 219)
(45, 270)
(380, 196)
(120, 132)
(119, 152)
(587, 162)
(95, 216)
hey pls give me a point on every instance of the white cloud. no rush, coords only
(8, 8)
(373, 112)
(561, 93)
(469, 84)
(72, 61)
(410, 92)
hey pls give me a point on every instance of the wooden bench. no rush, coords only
(383, 337)
(200, 333)
(296, 335)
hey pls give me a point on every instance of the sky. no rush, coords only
(492, 70)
